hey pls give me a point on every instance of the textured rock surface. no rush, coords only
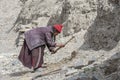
(104, 33)
(92, 55)
(9, 11)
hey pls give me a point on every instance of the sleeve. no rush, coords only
(49, 40)
(51, 49)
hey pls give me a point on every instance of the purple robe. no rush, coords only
(32, 51)
(39, 36)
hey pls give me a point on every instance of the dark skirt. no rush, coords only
(31, 59)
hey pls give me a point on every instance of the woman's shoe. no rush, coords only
(34, 70)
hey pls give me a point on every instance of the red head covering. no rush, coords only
(58, 27)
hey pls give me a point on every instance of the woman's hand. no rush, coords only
(53, 51)
(57, 45)
(60, 45)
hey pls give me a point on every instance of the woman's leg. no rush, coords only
(37, 57)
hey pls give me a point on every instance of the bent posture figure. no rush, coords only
(32, 51)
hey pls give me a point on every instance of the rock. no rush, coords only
(104, 37)
(80, 76)
(71, 71)
(94, 78)
(90, 62)
(83, 78)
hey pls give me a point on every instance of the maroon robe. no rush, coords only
(32, 51)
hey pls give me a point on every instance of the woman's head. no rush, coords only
(57, 28)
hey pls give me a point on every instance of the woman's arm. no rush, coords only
(50, 43)
(49, 40)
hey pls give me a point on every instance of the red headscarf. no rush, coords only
(58, 27)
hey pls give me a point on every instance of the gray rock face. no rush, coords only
(111, 67)
(92, 55)
(104, 33)
(9, 11)
(109, 70)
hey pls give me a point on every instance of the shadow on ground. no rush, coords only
(19, 73)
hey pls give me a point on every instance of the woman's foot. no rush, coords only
(34, 70)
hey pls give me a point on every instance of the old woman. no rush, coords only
(32, 51)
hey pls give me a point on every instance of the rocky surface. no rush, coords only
(94, 53)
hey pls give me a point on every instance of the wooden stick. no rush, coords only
(65, 44)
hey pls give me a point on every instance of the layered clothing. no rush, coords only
(32, 51)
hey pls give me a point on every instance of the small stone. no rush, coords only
(94, 78)
(71, 71)
(91, 61)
